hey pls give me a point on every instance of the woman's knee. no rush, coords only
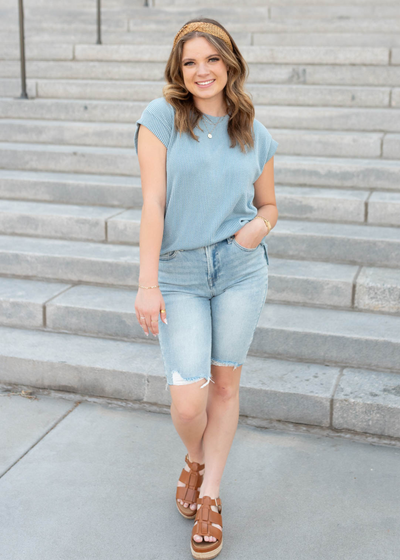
(189, 401)
(225, 390)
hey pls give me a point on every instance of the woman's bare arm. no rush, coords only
(152, 156)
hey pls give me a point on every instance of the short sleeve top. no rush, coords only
(210, 186)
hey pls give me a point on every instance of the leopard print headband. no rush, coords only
(207, 28)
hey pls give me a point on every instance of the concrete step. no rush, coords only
(270, 389)
(110, 312)
(235, 19)
(63, 221)
(252, 54)
(272, 116)
(335, 12)
(327, 39)
(159, 53)
(304, 282)
(327, 336)
(338, 205)
(119, 135)
(338, 172)
(69, 159)
(332, 242)
(309, 203)
(165, 37)
(299, 170)
(336, 74)
(262, 94)
(69, 188)
(12, 87)
(69, 261)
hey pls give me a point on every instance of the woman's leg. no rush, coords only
(223, 416)
(189, 415)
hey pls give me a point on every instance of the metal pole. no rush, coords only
(98, 23)
(24, 94)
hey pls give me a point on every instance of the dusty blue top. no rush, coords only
(210, 186)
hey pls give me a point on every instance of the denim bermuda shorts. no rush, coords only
(213, 297)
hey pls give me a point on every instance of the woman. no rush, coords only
(207, 173)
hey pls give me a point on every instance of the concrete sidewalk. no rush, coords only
(90, 481)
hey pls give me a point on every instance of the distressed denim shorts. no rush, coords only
(213, 297)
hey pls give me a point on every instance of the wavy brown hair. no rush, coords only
(239, 104)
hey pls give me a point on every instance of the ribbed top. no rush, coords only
(210, 186)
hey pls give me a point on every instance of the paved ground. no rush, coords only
(93, 481)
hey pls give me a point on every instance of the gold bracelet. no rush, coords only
(148, 287)
(267, 222)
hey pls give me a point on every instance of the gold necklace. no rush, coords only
(215, 124)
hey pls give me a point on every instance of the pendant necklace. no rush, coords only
(215, 124)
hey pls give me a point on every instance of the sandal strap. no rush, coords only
(205, 516)
(196, 467)
(192, 480)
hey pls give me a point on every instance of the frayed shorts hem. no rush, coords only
(175, 377)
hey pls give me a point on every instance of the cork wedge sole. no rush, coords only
(189, 493)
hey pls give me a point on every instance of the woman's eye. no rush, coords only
(213, 58)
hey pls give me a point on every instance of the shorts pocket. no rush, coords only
(247, 249)
(168, 256)
(266, 252)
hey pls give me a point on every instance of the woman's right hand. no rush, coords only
(148, 306)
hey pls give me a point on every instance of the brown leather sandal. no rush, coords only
(205, 516)
(190, 492)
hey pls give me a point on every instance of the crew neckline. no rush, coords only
(214, 117)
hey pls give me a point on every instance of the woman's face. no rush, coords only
(202, 63)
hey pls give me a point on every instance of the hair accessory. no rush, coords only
(207, 28)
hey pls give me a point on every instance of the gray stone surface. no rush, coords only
(270, 94)
(384, 208)
(308, 282)
(391, 146)
(61, 132)
(288, 391)
(24, 422)
(395, 56)
(380, 74)
(271, 389)
(90, 366)
(37, 51)
(378, 289)
(343, 243)
(275, 116)
(68, 159)
(327, 39)
(337, 172)
(124, 228)
(332, 118)
(313, 203)
(329, 143)
(65, 221)
(105, 190)
(71, 261)
(368, 402)
(96, 310)
(22, 301)
(329, 336)
(94, 479)
(336, 12)
(252, 54)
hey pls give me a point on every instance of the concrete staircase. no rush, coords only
(325, 80)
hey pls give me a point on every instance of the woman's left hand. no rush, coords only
(251, 234)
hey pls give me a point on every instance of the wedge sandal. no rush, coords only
(190, 492)
(205, 516)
